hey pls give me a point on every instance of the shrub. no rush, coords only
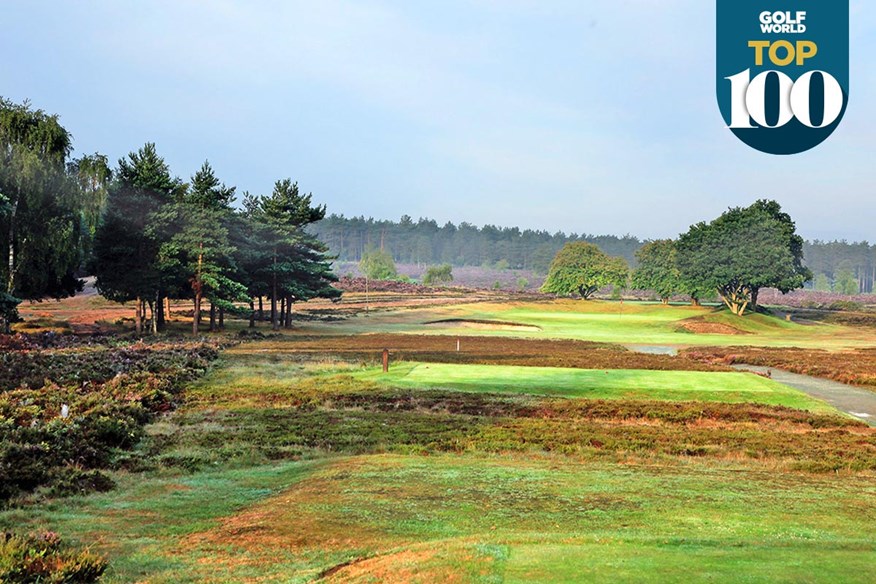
(438, 275)
(846, 305)
(110, 394)
(41, 558)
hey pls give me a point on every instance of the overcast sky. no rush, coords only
(583, 116)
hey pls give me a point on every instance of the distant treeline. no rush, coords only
(424, 242)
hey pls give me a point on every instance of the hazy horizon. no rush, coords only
(519, 113)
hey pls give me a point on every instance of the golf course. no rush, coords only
(484, 454)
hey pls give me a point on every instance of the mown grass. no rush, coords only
(638, 323)
(728, 387)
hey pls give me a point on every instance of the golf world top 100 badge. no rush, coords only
(783, 71)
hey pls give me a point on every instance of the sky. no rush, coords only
(583, 116)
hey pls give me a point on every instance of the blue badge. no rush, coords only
(783, 71)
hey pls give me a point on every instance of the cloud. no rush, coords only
(585, 116)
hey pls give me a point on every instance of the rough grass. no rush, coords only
(294, 409)
(472, 350)
(478, 519)
(856, 367)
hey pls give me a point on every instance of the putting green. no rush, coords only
(730, 387)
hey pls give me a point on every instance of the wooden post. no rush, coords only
(386, 360)
(457, 345)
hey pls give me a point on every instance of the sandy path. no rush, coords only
(860, 403)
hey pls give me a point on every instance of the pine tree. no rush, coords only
(200, 247)
(129, 239)
(299, 267)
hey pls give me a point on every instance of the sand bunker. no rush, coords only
(496, 325)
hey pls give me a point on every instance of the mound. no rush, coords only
(710, 328)
(499, 325)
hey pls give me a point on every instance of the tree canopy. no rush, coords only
(742, 251)
(658, 269)
(41, 230)
(378, 264)
(582, 268)
(162, 238)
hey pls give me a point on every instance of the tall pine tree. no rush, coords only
(128, 241)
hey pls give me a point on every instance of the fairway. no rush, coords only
(598, 384)
(627, 323)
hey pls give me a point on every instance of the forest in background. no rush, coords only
(837, 265)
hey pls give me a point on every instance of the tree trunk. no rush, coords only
(221, 318)
(159, 313)
(261, 309)
(167, 308)
(153, 321)
(736, 299)
(274, 319)
(283, 312)
(212, 317)
(251, 313)
(10, 276)
(138, 317)
(664, 301)
(694, 301)
(289, 312)
(754, 292)
(275, 324)
(196, 315)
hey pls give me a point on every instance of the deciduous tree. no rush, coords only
(582, 268)
(740, 252)
(40, 225)
(377, 264)
(438, 275)
(658, 269)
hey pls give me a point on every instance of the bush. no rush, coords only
(438, 275)
(846, 305)
(41, 558)
(108, 403)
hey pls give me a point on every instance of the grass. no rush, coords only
(297, 460)
(478, 519)
(635, 323)
(597, 384)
